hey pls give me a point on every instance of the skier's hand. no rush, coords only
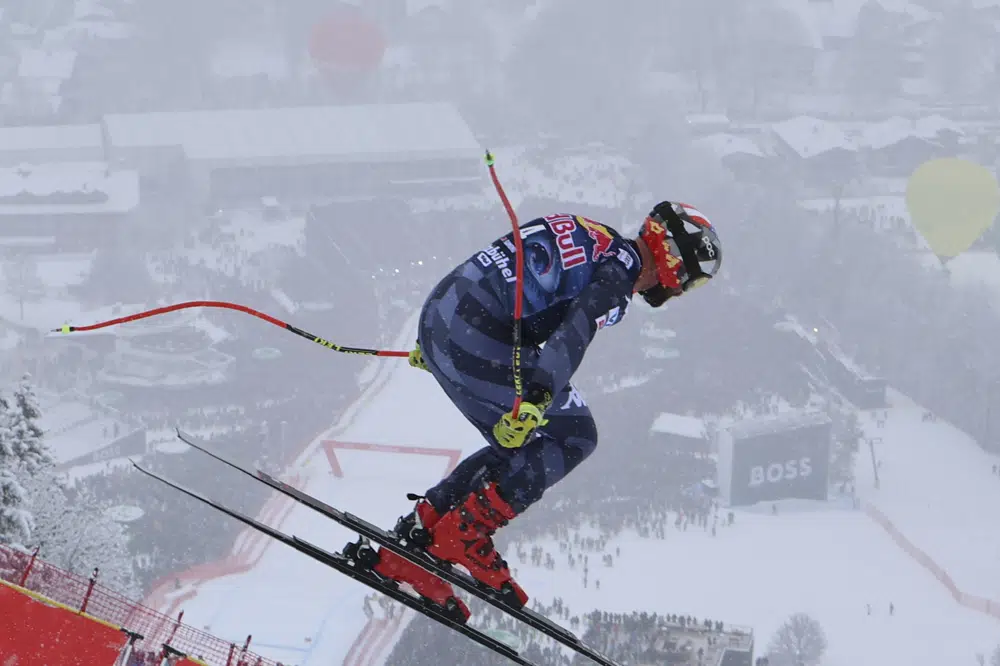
(417, 359)
(512, 433)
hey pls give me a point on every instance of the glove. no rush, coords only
(512, 433)
(417, 359)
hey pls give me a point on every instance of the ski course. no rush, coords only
(937, 493)
(297, 610)
(827, 560)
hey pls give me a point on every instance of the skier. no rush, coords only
(579, 277)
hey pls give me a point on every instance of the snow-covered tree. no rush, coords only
(26, 436)
(74, 533)
(800, 641)
(995, 657)
(15, 519)
(37, 509)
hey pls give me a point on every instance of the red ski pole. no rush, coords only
(518, 284)
(225, 305)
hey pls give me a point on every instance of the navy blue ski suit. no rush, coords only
(578, 278)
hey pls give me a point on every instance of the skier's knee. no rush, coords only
(584, 438)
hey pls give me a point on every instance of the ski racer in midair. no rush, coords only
(579, 277)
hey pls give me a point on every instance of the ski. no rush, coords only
(391, 541)
(352, 569)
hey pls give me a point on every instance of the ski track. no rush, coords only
(827, 561)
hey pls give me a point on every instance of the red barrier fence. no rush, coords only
(156, 629)
(33, 633)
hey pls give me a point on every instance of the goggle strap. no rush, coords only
(681, 236)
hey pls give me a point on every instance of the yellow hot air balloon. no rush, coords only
(952, 202)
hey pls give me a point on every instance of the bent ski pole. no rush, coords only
(225, 305)
(518, 285)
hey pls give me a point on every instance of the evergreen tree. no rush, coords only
(15, 519)
(36, 507)
(75, 534)
(29, 447)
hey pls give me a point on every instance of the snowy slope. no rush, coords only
(938, 487)
(297, 610)
(830, 564)
(825, 560)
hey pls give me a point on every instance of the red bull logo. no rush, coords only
(600, 235)
(570, 254)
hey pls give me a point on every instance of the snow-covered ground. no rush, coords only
(938, 487)
(242, 246)
(828, 561)
(977, 269)
(74, 428)
(297, 610)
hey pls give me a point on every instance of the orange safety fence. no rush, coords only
(156, 629)
(982, 604)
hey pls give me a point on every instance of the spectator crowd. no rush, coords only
(634, 639)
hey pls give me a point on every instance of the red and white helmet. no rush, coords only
(684, 246)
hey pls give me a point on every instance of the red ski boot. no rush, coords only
(414, 528)
(463, 536)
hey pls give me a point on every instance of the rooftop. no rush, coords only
(67, 188)
(384, 132)
(810, 137)
(50, 137)
(765, 425)
(676, 424)
(724, 145)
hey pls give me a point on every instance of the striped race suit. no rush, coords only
(578, 278)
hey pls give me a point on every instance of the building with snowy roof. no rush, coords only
(302, 152)
(808, 137)
(679, 433)
(51, 177)
(51, 143)
(35, 90)
(42, 205)
(895, 144)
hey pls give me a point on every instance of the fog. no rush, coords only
(153, 153)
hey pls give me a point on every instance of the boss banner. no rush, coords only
(774, 458)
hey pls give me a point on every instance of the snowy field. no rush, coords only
(827, 561)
